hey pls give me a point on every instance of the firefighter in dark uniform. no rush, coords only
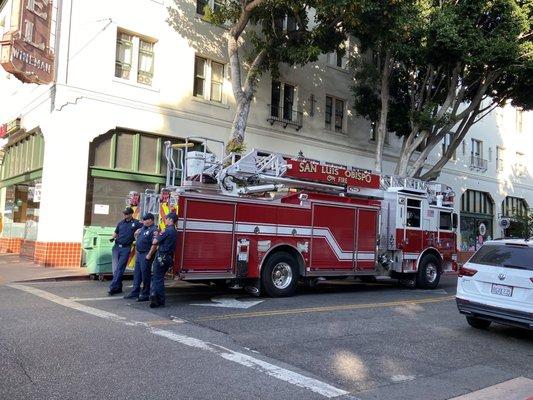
(165, 243)
(143, 264)
(123, 237)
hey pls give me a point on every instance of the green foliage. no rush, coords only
(522, 226)
(477, 36)
(282, 28)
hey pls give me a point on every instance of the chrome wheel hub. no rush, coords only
(431, 273)
(281, 275)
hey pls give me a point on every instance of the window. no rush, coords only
(28, 32)
(286, 23)
(215, 5)
(146, 62)
(500, 151)
(283, 96)
(520, 166)
(134, 58)
(413, 213)
(446, 143)
(123, 55)
(334, 114)
(208, 79)
(519, 120)
(445, 222)
(477, 162)
(477, 148)
(505, 255)
(339, 58)
(128, 152)
(513, 206)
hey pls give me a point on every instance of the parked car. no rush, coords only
(496, 284)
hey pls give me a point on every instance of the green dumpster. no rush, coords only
(97, 249)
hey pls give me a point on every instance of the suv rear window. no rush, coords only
(505, 255)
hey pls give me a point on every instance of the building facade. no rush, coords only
(126, 77)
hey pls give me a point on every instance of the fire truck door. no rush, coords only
(366, 233)
(333, 238)
(208, 236)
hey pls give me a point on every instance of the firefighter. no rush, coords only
(143, 264)
(165, 243)
(123, 238)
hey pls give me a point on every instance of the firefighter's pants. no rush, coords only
(142, 274)
(160, 266)
(119, 262)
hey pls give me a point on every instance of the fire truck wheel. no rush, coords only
(279, 275)
(428, 276)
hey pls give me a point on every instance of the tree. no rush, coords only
(277, 31)
(429, 70)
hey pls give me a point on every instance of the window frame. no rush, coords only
(449, 213)
(208, 80)
(500, 154)
(333, 124)
(134, 66)
(446, 143)
(280, 107)
(419, 208)
(211, 3)
(477, 145)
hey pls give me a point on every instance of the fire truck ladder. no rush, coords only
(262, 171)
(390, 182)
(195, 168)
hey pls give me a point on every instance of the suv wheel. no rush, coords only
(478, 323)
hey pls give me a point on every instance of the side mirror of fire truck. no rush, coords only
(454, 220)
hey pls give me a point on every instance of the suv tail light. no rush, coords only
(463, 271)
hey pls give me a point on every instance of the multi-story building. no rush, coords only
(114, 80)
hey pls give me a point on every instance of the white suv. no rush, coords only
(496, 284)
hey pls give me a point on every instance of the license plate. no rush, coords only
(502, 290)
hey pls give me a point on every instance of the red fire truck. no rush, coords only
(265, 221)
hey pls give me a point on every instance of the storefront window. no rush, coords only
(21, 211)
(477, 215)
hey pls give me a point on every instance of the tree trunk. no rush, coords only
(240, 121)
(382, 124)
(401, 161)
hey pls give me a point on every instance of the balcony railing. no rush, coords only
(477, 163)
(286, 116)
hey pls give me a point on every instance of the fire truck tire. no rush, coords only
(429, 272)
(279, 275)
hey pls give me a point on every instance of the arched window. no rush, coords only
(514, 206)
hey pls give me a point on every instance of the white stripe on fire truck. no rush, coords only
(285, 230)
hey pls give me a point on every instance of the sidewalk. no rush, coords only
(13, 268)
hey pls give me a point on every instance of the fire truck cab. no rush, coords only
(265, 221)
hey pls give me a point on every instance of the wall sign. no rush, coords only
(102, 209)
(24, 49)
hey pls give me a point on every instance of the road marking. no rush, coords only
(344, 307)
(256, 364)
(82, 299)
(69, 303)
(229, 302)
(283, 374)
(402, 378)
(96, 298)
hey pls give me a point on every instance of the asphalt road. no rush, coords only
(342, 339)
